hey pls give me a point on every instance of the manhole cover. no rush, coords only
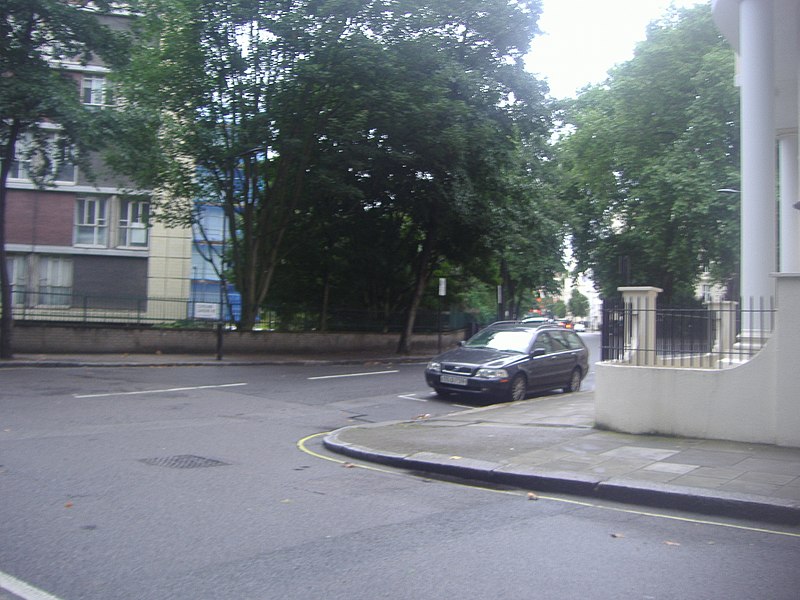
(183, 461)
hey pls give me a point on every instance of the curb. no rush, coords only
(626, 491)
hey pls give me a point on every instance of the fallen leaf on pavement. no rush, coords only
(348, 465)
(668, 543)
(617, 535)
(532, 496)
(420, 417)
(455, 458)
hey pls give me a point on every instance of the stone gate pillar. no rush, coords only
(640, 324)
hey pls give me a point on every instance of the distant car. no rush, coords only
(537, 320)
(580, 326)
(507, 360)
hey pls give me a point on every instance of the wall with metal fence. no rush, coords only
(65, 307)
(740, 384)
(638, 331)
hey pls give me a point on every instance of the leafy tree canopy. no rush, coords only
(392, 131)
(647, 151)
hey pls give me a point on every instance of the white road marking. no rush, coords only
(412, 397)
(352, 375)
(22, 589)
(180, 389)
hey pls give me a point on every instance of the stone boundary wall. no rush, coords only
(31, 338)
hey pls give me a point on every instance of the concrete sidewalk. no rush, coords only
(546, 444)
(549, 444)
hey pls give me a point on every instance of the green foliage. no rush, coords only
(556, 308)
(578, 304)
(392, 138)
(646, 152)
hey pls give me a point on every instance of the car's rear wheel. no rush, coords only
(574, 383)
(518, 388)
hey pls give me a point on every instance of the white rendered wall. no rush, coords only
(758, 401)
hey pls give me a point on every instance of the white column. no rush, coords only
(789, 215)
(758, 252)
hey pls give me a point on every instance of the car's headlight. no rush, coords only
(435, 367)
(492, 373)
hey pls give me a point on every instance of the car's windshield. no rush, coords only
(501, 339)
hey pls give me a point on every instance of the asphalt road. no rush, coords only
(200, 483)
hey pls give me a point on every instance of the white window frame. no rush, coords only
(62, 169)
(96, 90)
(91, 217)
(55, 281)
(18, 276)
(133, 223)
(21, 164)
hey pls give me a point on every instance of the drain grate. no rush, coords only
(183, 461)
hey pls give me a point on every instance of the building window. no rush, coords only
(18, 275)
(96, 91)
(91, 223)
(61, 158)
(133, 219)
(55, 281)
(21, 165)
(50, 159)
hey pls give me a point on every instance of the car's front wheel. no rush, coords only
(574, 383)
(518, 388)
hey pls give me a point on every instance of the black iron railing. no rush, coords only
(67, 307)
(715, 336)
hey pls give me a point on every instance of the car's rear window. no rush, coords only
(569, 339)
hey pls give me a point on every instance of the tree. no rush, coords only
(35, 36)
(226, 106)
(645, 153)
(388, 117)
(578, 304)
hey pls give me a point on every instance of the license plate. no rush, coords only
(454, 379)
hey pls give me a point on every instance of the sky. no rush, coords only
(582, 39)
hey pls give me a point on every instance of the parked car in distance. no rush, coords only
(509, 359)
(580, 326)
(537, 320)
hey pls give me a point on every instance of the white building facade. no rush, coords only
(765, 34)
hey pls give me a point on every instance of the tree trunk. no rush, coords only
(6, 318)
(326, 297)
(423, 274)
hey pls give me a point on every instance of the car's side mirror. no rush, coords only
(538, 352)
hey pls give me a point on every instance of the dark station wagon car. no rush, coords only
(508, 359)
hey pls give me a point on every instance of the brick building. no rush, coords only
(80, 244)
